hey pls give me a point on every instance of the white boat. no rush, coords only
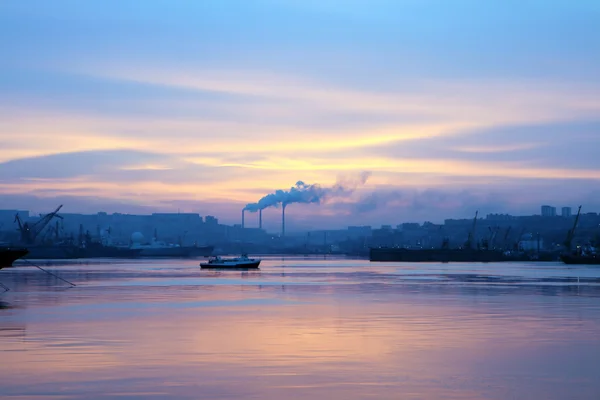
(237, 262)
(158, 248)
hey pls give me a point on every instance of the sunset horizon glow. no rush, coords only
(207, 106)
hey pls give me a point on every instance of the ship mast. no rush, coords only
(571, 232)
(469, 243)
(505, 244)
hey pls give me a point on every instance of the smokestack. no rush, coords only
(260, 219)
(243, 210)
(283, 221)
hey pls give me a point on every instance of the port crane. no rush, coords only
(469, 243)
(30, 232)
(505, 243)
(445, 239)
(490, 243)
(53, 232)
(571, 232)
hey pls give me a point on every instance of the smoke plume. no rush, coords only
(310, 193)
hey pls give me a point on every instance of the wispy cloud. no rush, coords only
(499, 148)
(483, 102)
(225, 103)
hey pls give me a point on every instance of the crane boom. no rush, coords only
(29, 232)
(493, 238)
(506, 236)
(472, 233)
(571, 232)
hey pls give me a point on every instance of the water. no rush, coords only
(301, 328)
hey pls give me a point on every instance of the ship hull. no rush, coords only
(201, 251)
(166, 252)
(9, 255)
(436, 255)
(76, 252)
(53, 252)
(232, 265)
(580, 260)
(176, 252)
(109, 252)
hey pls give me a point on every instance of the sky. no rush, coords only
(452, 106)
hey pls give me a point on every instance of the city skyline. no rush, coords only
(209, 106)
(272, 218)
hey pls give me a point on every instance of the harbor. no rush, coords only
(281, 200)
(495, 238)
(168, 329)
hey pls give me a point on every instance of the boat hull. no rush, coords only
(10, 255)
(76, 252)
(166, 252)
(201, 251)
(53, 252)
(176, 252)
(580, 260)
(108, 252)
(231, 265)
(436, 255)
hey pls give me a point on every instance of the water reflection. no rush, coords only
(335, 331)
(4, 305)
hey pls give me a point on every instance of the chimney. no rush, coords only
(283, 221)
(260, 218)
(243, 210)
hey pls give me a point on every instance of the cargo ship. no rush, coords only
(44, 242)
(397, 254)
(471, 251)
(173, 251)
(160, 249)
(70, 252)
(101, 250)
(8, 255)
(586, 255)
(581, 259)
(52, 252)
(201, 251)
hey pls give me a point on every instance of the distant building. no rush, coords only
(500, 217)
(210, 220)
(566, 212)
(458, 223)
(359, 231)
(409, 226)
(530, 242)
(548, 211)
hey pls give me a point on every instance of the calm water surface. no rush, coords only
(301, 328)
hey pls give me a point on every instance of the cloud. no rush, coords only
(151, 178)
(367, 206)
(202, 101)
(437, 204)
(568, 146)
(428, 200)
(499, 148)
(480, 102)
(64, 165)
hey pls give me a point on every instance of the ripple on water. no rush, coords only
(298, 328)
